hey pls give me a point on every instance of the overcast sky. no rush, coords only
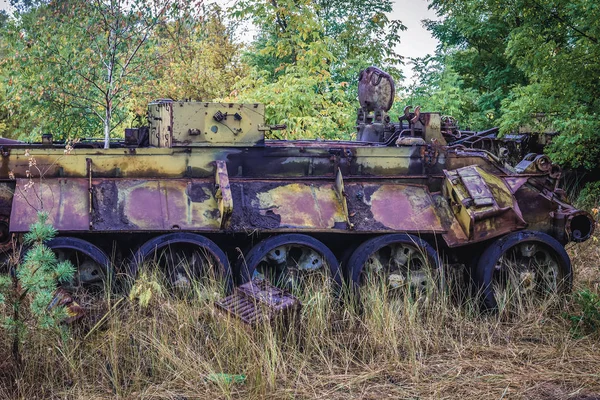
(416, 40)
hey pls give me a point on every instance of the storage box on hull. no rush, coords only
(186, 123)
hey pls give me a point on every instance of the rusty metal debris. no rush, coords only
(62, 298)
(258, 302)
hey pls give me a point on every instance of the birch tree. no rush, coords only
(75, 63)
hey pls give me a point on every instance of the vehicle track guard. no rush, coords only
(339, 189)
(223, 193)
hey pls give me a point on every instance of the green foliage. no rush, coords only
(523, 58)
(473, 36)
(146, 289)
(589, 197)
(306, 100)
(305, 56)
(72, 65)
(85, 68)
(33, 284)
(3, 18)
(80, 68)
(361, 35)
(197, 58)
(587, 320)
(440, 88)
(295, 82)
(4, 286)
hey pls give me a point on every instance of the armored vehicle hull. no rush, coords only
(201, 191)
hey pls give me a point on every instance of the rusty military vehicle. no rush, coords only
(200, 190)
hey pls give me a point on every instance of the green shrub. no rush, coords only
(589, 197)
(587, 320)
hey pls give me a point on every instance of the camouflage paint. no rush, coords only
(245, 184)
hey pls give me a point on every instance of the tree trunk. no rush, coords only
(16, 339)
(107, 128)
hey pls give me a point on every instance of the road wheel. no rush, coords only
(400, 263)
(522, 267)
(290, 261)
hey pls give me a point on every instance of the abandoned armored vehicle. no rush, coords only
(200, 190)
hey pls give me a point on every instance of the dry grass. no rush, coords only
(393, 349)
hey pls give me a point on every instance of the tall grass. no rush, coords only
(381, 347)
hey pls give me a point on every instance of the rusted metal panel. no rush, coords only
(258, 302)
(381, 161)
(478, 190)
(293, 160)
(118, 163)
(392, 207)
(183, 124)
(223, 193)
(286, 205)
(301, 205)
(339, 190)
(150, 205)
(65, 200)
(455, 235)
(482, 203)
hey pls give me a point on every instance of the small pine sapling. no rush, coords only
(27, 294)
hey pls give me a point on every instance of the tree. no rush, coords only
(75, 63)
(197, 57)
(3, 18)
(473, 36)
(362, 35)
(290, 71)
(305, 55)
(526, 57)
(557, 46)
(3, 111)
(439, 88)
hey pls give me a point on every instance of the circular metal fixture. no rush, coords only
(520, 267)
(376, 89)
(183, 257)
(288, 259)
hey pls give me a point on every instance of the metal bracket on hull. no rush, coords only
(223, 193)
(88, 163)
(339, 189)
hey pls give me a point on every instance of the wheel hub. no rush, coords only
(289, 264)
(530, 267)
(403, 265)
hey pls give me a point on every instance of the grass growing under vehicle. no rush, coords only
(173, 348)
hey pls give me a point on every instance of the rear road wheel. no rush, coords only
(85, 293)
(521, 268)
